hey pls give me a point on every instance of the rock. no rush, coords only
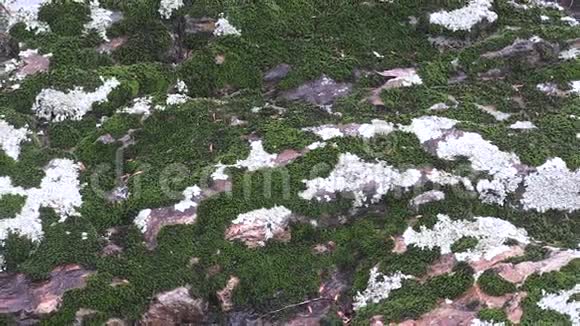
(397, 78)
(19, 295)
(463, 310)
(194, 25)
(321, 249)
(518, 273)
(277, 73)
(81, 314)
(322, 91)
(534, 51)
(400, 246)
(175, 307)
(225, 295)
(8, 47)
(157, 218)
(329, 294)
(112, 45)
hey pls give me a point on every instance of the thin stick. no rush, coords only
(295, 305)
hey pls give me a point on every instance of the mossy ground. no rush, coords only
(183, 143)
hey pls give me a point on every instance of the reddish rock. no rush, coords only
(175, 307)
(519, 272)
(463, 310)
(19, 295)
(164, 216)
(483, 264)
(443, 265)
(316, 309)
(255, 235)
(400, 245)
(34, 63)
(225, 295)
(112, 45)
(324, 248)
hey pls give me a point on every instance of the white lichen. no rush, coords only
(140, 106)
(268, 220)
(223, 27)
(55, 105)
(11, 138)
(561, 303)
(181, 87)
(379, 287)
(463, 19)
(569, 54)
(189, 194)
(523, 125)
(220, 172)
(176, 99)
(569, 20)
(101, 19)
(142, 220)
(258, 158)
(26, 11)
(498, 115)
(59, 189)
(375, 128)
(491, 233)
(326, 132)
(552, 186)
(479, 322)
(371, 181)
(167, 7)
(427, 197)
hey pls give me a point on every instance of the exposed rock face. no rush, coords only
(322, 91)
(463, 310)
(277, 73)
(175, 307)
(8, 47)
(519, 272)
(112, 45)
(329, 294)
(533, 50)
(225, 295)
(153, 220)
(396, 78)
(256, 227)
(20, 296)
(193, 25)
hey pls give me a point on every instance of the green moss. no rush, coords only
(493, 284)
(65, 17)
(493, 315)
(16, 250)
(532, 253)
(149, 43)
(278, 136)
(414, 299)
(10, 205)
(464, 244)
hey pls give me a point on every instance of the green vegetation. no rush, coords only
(493, 284)
(464, 244)
(493, 315)
(179, 147)
(10, 205)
